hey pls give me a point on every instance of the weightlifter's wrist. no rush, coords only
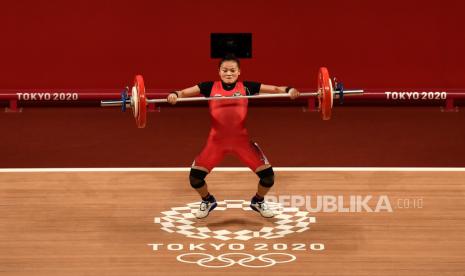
(177, 93)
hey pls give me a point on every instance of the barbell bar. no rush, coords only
(138, 101)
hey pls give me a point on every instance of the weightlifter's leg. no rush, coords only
(210, 156)
(251, 154)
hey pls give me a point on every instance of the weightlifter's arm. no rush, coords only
(185, 93)
(272, 89)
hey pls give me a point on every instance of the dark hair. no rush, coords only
(230, 57)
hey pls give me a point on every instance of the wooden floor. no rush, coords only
(101, 223)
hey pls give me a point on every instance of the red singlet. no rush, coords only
(228, 133)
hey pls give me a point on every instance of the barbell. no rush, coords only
(137, 100)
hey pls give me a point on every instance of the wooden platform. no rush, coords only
(101, 223)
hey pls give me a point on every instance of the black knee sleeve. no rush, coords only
(197, 178)
(266, 177)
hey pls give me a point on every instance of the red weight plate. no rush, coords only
(140, 101)
(325, 96)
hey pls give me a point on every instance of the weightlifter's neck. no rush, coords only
(228, 86)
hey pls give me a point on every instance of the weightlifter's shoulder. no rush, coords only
(252, 87)
(205, 88)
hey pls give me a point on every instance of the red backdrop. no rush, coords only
(101, 44)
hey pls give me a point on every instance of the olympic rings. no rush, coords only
(265, 258)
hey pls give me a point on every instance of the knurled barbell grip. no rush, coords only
(261, 96)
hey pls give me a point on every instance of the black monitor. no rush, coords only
(239, 44)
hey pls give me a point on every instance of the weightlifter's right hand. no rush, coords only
(173, 97)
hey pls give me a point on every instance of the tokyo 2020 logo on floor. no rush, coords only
(287, 221)
(181, 220)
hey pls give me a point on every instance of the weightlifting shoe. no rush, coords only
(262, 208)
(206, 206)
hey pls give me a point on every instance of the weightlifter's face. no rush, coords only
(229, 71)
